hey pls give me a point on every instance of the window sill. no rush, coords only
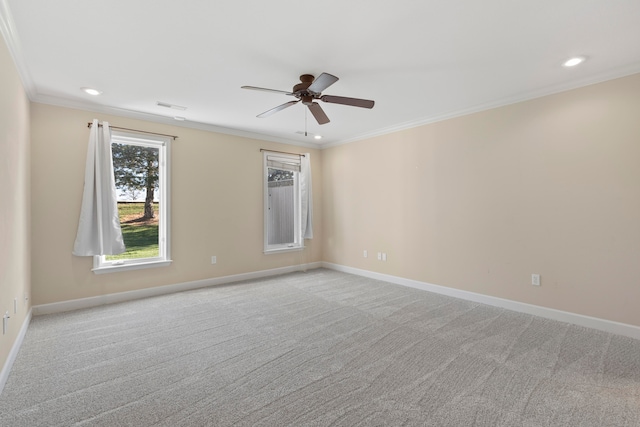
(133, 266)
(281, 250)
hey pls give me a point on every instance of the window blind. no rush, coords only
(284, 163)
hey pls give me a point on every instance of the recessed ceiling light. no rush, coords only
(91, 91)
(318, 137)
(574, 61)
(180, 119)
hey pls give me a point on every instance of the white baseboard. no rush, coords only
(4, 374)
(617, 328)
(624, 329)
(76, 304)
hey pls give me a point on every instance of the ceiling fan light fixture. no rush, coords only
(91, 91)
(572, 62)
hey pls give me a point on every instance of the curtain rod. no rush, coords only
(134, 130)
(282, 152)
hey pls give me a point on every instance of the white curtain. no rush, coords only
(99, 230)
(307, 196)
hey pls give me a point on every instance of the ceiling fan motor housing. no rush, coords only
(300, 90)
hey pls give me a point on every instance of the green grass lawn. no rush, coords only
(140, 239)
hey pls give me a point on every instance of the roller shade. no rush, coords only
(284, 163)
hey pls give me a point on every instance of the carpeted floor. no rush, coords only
(320, 348)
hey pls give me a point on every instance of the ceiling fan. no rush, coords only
(310, 89)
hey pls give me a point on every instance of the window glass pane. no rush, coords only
(281, 207)
(281, 202)
(136, 170)
(280, 175)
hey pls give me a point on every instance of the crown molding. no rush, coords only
(155, 118)
(527, 96)
(547, 91)
(10, 34)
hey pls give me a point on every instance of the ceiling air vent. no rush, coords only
(167, 105)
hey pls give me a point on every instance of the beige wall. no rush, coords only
(216, 207)
(14, 200)
(479, 203)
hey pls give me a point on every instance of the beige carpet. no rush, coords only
(320, 348)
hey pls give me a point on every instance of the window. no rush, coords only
(141, 169)
(284, 194)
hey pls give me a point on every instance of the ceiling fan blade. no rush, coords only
(318, 113)
(278, 108)
(266, 90)
(355, 102)
(322, 82)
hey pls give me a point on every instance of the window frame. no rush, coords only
(163, 144)
(298, 244)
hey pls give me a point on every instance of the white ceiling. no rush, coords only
(420, 60)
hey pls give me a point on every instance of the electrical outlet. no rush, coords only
(214, 259)
(384, 256)
(365, 253)
(535, 279)
(379, 256)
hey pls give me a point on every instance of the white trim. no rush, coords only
(6, 369)
(58, 307)
(8, 30)
(167, 120)
(298, 243)
(281, 250)
(163, 145)
(509, 100)
(115, 268)
(617, 328)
